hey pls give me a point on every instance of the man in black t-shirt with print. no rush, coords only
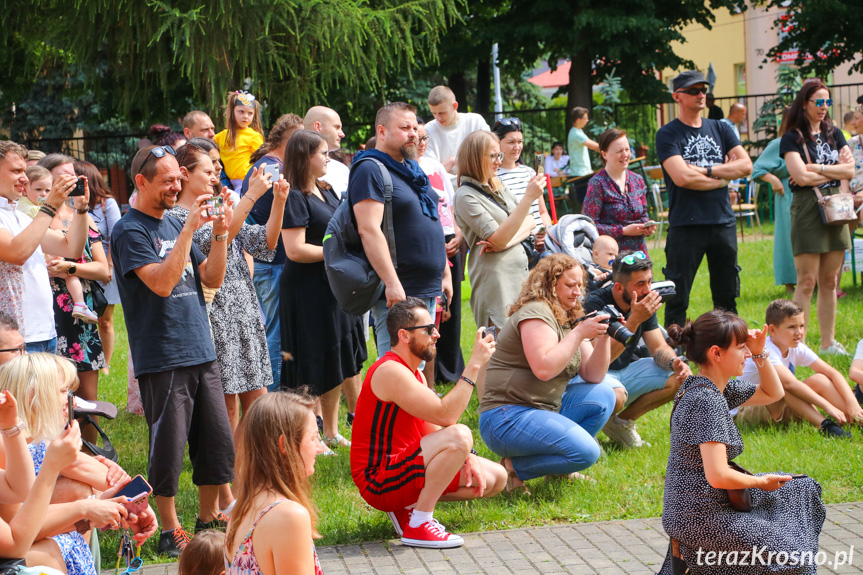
(159, 275)
(699, 157)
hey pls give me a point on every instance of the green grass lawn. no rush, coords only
(628, 484)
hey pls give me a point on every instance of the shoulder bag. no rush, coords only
(836, 209)
(739, 498)
(353, 281)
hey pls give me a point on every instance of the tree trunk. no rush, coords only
(458, 85)
(483, 85)
(580, 90)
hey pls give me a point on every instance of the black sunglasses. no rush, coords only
(513, 123)
(429, 328)
(694, 91)
(22, 350)
(159, 152)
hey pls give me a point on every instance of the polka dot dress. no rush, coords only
(783, 524)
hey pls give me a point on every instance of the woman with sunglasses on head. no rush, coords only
(532, 412)
(616, 197)
(324, 346)
(238, 332)
(817, 156)
(494, 223)
(515, 175)
(702, 512)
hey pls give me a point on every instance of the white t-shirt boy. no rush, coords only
(801, 355)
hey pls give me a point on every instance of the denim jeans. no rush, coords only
(542, 442)
(267, 287)
(379, 316)
(48, 345)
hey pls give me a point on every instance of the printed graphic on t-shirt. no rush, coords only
(826, 154)
(702, 151)
(186, 286)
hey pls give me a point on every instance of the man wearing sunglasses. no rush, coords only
(408, 450)
(699, 157)
(160, 274)
(641, 383)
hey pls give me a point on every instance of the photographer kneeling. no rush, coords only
(533, 413)
(641, 383)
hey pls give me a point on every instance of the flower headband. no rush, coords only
(245, 98)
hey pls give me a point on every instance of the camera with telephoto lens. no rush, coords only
(614, 321)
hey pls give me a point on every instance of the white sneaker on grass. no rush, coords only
(623, 433)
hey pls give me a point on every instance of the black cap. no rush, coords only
(687, 79)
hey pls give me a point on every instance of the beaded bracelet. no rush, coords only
(46, 209)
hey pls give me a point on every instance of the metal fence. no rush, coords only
(112, 154)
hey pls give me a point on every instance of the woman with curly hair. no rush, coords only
(532, 413)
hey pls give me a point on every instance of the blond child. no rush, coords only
(204, 555)
(825, 389)
(241, 137)
(39, 185)
(605, 249)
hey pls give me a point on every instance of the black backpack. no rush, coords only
(352, 278)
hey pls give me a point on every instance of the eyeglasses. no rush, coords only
(630, 259)
(424, 139)
(159, 152)
(693, 91)
(496, 157)
(429, 328)
(514, 123)
(821, 102)
(19, 350)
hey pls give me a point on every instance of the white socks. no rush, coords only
(420, 517)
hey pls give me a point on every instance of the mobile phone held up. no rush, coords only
(136, 489)
(70, 406)
(217, 206)
(80, 188)
(490, 330)
(272, 170)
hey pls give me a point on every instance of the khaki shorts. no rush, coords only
(777, 412)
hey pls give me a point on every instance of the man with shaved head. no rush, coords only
(197, 124)
(327, 122)
(736, 116)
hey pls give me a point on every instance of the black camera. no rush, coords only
(80, 188)
(614, 321)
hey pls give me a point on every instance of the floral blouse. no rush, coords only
(612, 209)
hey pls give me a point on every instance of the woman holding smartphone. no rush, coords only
(617, 197)
(324, 346)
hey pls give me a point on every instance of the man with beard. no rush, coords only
(408, 452)
(421, 268)
(641, 383)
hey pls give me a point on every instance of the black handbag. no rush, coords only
(100, 302)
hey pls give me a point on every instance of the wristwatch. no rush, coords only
(221, 237)
(15, 430)
(72, 269)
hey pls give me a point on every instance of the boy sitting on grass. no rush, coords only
(826, 389)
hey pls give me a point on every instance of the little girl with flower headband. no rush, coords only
(243, 135)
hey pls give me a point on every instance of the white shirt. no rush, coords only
(516, 181)
(797, 356)
(441, 184)
(444, 141)
(553, 167)
(25, 291)
(337, 176)
(858, 353)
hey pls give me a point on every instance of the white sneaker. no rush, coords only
(624, 433)
(835, 348)
(84, 313)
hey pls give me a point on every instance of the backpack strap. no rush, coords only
(388, 228)
(487, 195)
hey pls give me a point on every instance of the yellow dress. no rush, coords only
(236, 160)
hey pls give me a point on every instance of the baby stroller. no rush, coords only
(573, 235)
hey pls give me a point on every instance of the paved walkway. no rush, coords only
(634, 546)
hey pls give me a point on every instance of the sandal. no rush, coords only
(336, 441)
(513, 483)
(576, 476)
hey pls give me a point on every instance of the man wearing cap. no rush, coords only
(699, 157)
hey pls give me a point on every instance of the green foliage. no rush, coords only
(769, 118)
(828, 31)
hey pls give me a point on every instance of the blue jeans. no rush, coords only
(379, 316)
(542, 442)
(267, 287)
(48, 345)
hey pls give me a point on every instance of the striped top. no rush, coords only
(516, 180)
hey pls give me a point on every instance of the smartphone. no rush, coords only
(444, 302)
(135, 489)
(798, 476)
(273, 170)
(80, 187)
(541, 230)
(490, 330)
(649, 223)
(70, 406)
(217, 206)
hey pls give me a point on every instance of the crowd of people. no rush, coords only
(240, 350)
